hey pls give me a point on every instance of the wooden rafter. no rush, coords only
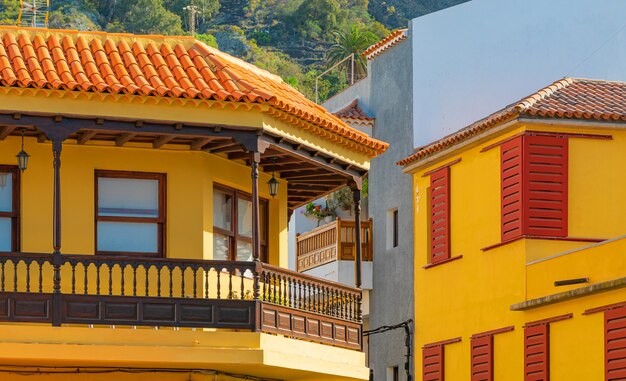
(124, 138)
(86, 136)
(6, 131)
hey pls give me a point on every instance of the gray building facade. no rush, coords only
(386, 93)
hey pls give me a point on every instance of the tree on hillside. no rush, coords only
(354, 41)
(9, 10)
(315, 19)
(144, 17)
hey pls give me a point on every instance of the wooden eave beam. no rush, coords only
(197, 144)
(86, 136)
(233, 147)
(124, 138)
(217, 145)
(279, 144)
(312, 175)
(299, 187)
(293, 167)
(162, 140)
(5, 131)
(67, 124)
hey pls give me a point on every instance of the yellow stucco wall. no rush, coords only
(474, 294)
(189, 228)
(190, 179)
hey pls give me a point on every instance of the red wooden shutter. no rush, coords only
(545, 185)
(536, 353)
(511, 189)
(533, 186)
(482, 358)
(615, 344)
(432, 363)
(440, 215)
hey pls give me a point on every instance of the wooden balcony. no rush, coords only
(331, 242)
(97, 290)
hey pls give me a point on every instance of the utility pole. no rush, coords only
(192, 17)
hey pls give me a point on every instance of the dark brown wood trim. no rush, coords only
(443, 342)
(548, 320)
(160, 220)
(571, 239)
(604, 308)
(492, 332)
(14, 215)
(234, 234)
(441, 167)
(430, 265)
(547, 133)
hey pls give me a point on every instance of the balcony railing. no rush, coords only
(108, 290)
(331, 242)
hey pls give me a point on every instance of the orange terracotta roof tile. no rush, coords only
(569, 98)
(353, 111)
(176, 67)
(381, 46)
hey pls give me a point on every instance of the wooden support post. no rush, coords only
(56, 233)
(255, 159)
(356, 192)
(357, 236)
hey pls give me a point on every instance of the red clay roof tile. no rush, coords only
(353, 111)
(381, 46)
(569, 98)
(158, 66)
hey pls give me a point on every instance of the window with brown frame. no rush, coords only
(232, 225)
(130, 213)
(9, 208)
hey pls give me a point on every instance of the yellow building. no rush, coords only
(157, 250)
(520, 241)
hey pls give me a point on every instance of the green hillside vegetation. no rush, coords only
(297, 39)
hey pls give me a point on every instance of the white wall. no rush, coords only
(475, 58)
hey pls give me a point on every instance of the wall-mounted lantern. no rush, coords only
(22, 156)
(272, 184)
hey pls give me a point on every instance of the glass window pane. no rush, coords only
(222, 210)
(5, 234)
(220, 247)
(128, 197)
(128, 237)
(244, 217)
(244, 251)
(6, 192)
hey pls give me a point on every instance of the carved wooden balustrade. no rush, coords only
(330, 242)
(109, 290)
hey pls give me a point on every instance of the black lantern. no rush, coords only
(22, 156)
(272, 184)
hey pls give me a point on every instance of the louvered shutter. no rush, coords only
(615, 344)
(536, 353)
(432, 363)
(482, 358)
(440, 215)
(511, 188)
(545, 185)
(534, 186)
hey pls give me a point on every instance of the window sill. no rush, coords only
(571, 239)
(442, 262)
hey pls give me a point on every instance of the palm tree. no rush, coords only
(354, 41)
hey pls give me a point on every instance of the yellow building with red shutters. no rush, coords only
(142, 235)
(520, 270)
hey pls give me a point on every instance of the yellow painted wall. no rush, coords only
(248, 353)
(190, 179)
(473, 294)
